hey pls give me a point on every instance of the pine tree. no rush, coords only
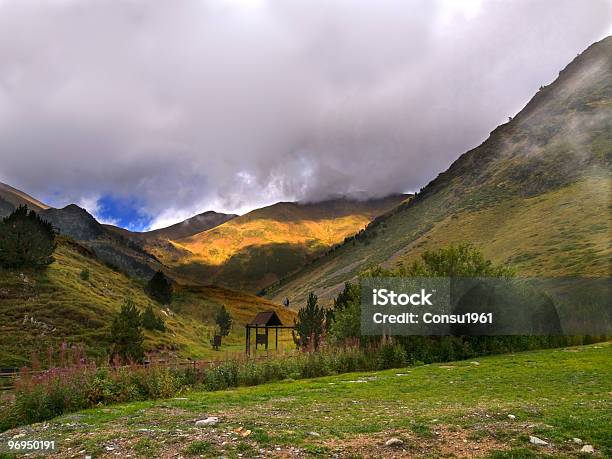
(126, 333)
(310, 323)
(224, 321)
(160, 288)
(26, 240)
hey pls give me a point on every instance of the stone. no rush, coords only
(587, 449)
(511, 416)
(394, 442)
(475, 363)
(209, 421)
(314, 434)
(537, 441)
(578, 441)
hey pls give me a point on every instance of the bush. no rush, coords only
(84, 275)
(26, 240)
(160, 288)
(391, 356)
(151, 321)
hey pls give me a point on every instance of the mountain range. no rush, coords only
(245, 252)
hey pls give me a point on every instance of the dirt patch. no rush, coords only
(444, 441)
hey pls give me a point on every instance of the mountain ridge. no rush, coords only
(11, 197)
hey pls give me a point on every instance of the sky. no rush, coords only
(146, 112)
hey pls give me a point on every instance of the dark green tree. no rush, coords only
(345, 299)
(310, 324)
(152, 321)
(26, 240)
(126, 333)
(224, 321)
(456, 260)
(160, 288)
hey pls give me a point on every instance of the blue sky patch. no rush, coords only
(124, 212)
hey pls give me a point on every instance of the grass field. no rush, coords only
(458, 409)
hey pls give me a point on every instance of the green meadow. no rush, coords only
(488, 407)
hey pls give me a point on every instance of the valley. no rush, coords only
(254, 229)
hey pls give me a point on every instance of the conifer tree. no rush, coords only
(310, 324)
(126, 333)
(224, 321)
(26, 240)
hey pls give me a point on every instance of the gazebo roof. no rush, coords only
(266, 319)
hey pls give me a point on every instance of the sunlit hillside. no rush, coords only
(256, 249)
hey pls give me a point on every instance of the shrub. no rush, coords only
(391, 356)
(160, 288)
(151, 321)
(84, 275)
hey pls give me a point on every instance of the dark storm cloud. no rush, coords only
(185, 106)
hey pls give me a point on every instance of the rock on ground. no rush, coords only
(537, 441)
(394, 442)
(209, 421)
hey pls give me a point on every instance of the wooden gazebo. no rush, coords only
(266, 320)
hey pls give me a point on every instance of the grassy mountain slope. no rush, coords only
(254, 250)
(41, 308)
(11, 198)
(110, 246)
(456, 409)
(535, 194)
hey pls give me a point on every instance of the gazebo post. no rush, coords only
(248, 339)
(276, 336)
(256, 335)
(267, 337)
